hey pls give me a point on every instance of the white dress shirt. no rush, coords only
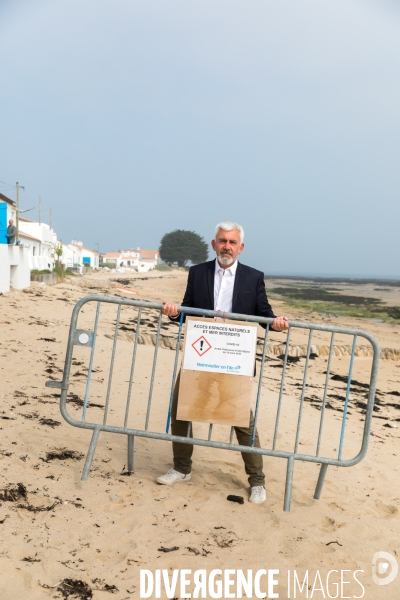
(224, 280)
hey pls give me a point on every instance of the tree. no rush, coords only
(182, 246)
(58, 251)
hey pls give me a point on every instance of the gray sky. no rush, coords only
(135, 117)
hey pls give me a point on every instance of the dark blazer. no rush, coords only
(249, 296)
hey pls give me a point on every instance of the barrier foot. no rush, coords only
(90, 454)
(320, 482)
(131, 440)
(288, 485)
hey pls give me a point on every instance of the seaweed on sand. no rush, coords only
(13, 492)
(63, 454)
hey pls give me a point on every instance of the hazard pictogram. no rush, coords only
(201, 345)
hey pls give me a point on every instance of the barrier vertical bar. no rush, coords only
(85, 401)
(153, 371)
(112, 365)
(278, 411)
(128, 400)
(90, 454)
(320, 482)
(231, 435)
(288, 484)
(171, 396)
(296, 444)
(328, 372)
(253, 433)
(130, 463)
(210, 431)
(346, 402)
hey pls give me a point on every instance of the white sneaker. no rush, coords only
(258, 494)
(172, 477)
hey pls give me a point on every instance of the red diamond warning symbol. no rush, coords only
(201, 345)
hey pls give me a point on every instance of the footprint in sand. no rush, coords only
(329, 524)
(386, 510)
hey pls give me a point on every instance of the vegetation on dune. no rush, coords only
(40, 272)
(319, 294)
(320, 300)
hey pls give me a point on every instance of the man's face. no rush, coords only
(11, 222)
(227, 247)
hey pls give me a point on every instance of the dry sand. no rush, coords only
(105, 530)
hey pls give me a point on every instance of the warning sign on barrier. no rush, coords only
(220, 347)
(201, 346)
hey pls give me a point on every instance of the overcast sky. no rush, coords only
(132, 118)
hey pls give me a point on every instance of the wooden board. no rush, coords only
(219, 398)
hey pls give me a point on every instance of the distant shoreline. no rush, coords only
(352, 280)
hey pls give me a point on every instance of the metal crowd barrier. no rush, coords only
(87, 338)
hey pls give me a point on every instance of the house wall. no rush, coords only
(146, 265)
(128, 262)
(40, 231)
(40, 254)
(40, 249)
(129, 259)
(79, 255)
(71, 255)
(89, 258)
(14, 268)
(67, 257)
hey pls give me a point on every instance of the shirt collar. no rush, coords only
(231, 269)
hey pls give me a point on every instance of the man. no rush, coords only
(11, 232)
(225, 285)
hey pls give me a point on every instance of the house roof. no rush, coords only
(149, 254)
(5, 199)
(26, 235)
(83, 248)
(144, 254)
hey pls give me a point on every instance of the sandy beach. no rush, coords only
(103, 531)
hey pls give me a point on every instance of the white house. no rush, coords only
(14, 260)
(148, 260)
(140, 260)
(81, 255)
(124, 258)
(7, 211)
(39, 238)
(71, 256)
(111, 258)
(35, 249)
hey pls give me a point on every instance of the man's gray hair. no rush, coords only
(230, 226)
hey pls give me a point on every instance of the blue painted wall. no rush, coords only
(86, 260)
(3, 223)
